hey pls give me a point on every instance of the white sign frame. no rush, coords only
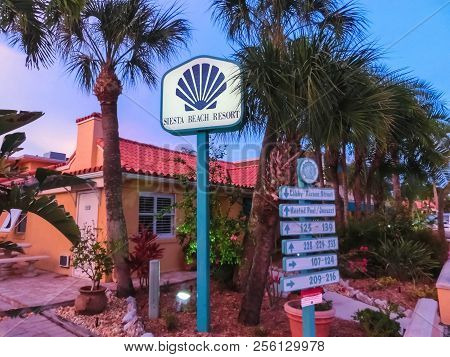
(182, 116)
(313, 210)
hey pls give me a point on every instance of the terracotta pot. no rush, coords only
(91, 302)
(323, 319)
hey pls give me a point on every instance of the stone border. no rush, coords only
(378, 303)
(75, 329)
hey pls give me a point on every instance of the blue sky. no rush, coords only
(414, 33)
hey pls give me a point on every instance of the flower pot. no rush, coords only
(91, 302)
(323, 319)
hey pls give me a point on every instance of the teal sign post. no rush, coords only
(201, 96)
(304, 219)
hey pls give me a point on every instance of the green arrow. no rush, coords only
(286, 211)
(291, 247)
(287, 228)
(286, 193)
(290, 284)
(292, 264)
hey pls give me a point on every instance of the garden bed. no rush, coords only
(402, 293)
(224, 313)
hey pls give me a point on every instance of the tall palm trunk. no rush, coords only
(439, 198)
(357, 181)
(344, 182)
(107, 89)
(372, 188)
(249, 239)
(333, 165)
(318, 155)
(396, 187)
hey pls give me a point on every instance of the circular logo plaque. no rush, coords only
(308, 170)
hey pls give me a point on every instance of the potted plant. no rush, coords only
(324, 316)
(93, 259)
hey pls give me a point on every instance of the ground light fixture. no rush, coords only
(182, 300)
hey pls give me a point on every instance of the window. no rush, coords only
(21, 225)
(157, 213)
(10, 221)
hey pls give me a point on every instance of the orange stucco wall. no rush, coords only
(44, 239)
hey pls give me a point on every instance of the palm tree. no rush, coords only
(25, 23)
(267, 30)
(114, 42)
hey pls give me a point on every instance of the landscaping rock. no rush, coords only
(131, 303)
(147, 334)
(129, 316)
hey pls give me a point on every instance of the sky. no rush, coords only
(415, 36)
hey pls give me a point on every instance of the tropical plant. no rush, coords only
(22, 190)
(26, 23)
(405, 259)
(114, 42)
(9, 246)
(382, 323)
(92, 257)
(225, 229)
(284, 58)
(145, 249)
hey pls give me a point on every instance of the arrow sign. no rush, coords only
(295, 211)
(309, 245)
(307, 227)
(312, 194)
(309, 262)
(310, 280)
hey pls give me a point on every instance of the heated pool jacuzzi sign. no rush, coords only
(201, 94)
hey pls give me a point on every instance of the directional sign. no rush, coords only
(294, 211)
(309, 245)
(307, 227)
(312, 194)
(311, 280)
(309, 262)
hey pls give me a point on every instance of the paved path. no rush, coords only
(43, 290)
(32, 326)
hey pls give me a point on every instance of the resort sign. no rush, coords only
(313, 270)
(201, 96)
(203, 93)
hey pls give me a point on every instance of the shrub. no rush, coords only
(171, 321)
(405, 260)
(92, 257)
(383, 283)
(145, 248)
(379, 323)
(354, 264)
(424, 292)
(260, 331)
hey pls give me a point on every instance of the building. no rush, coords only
(150, 184)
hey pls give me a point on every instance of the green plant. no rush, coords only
(424, 292)
(27, 195)
(225, 230)
(91, 257)
(260, 331)
(405, 260)
(384, 282)
(145, 248)
(381, 323)
(171, 321)
(9, 246)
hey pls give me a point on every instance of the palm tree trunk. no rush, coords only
(396, 187)
(318, 155)
(357, 184)
(249, 239)
(373, 189)
(439, 197)
(107, 89)
(344, 182)
(333, 165)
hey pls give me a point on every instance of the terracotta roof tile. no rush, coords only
(152, 160)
